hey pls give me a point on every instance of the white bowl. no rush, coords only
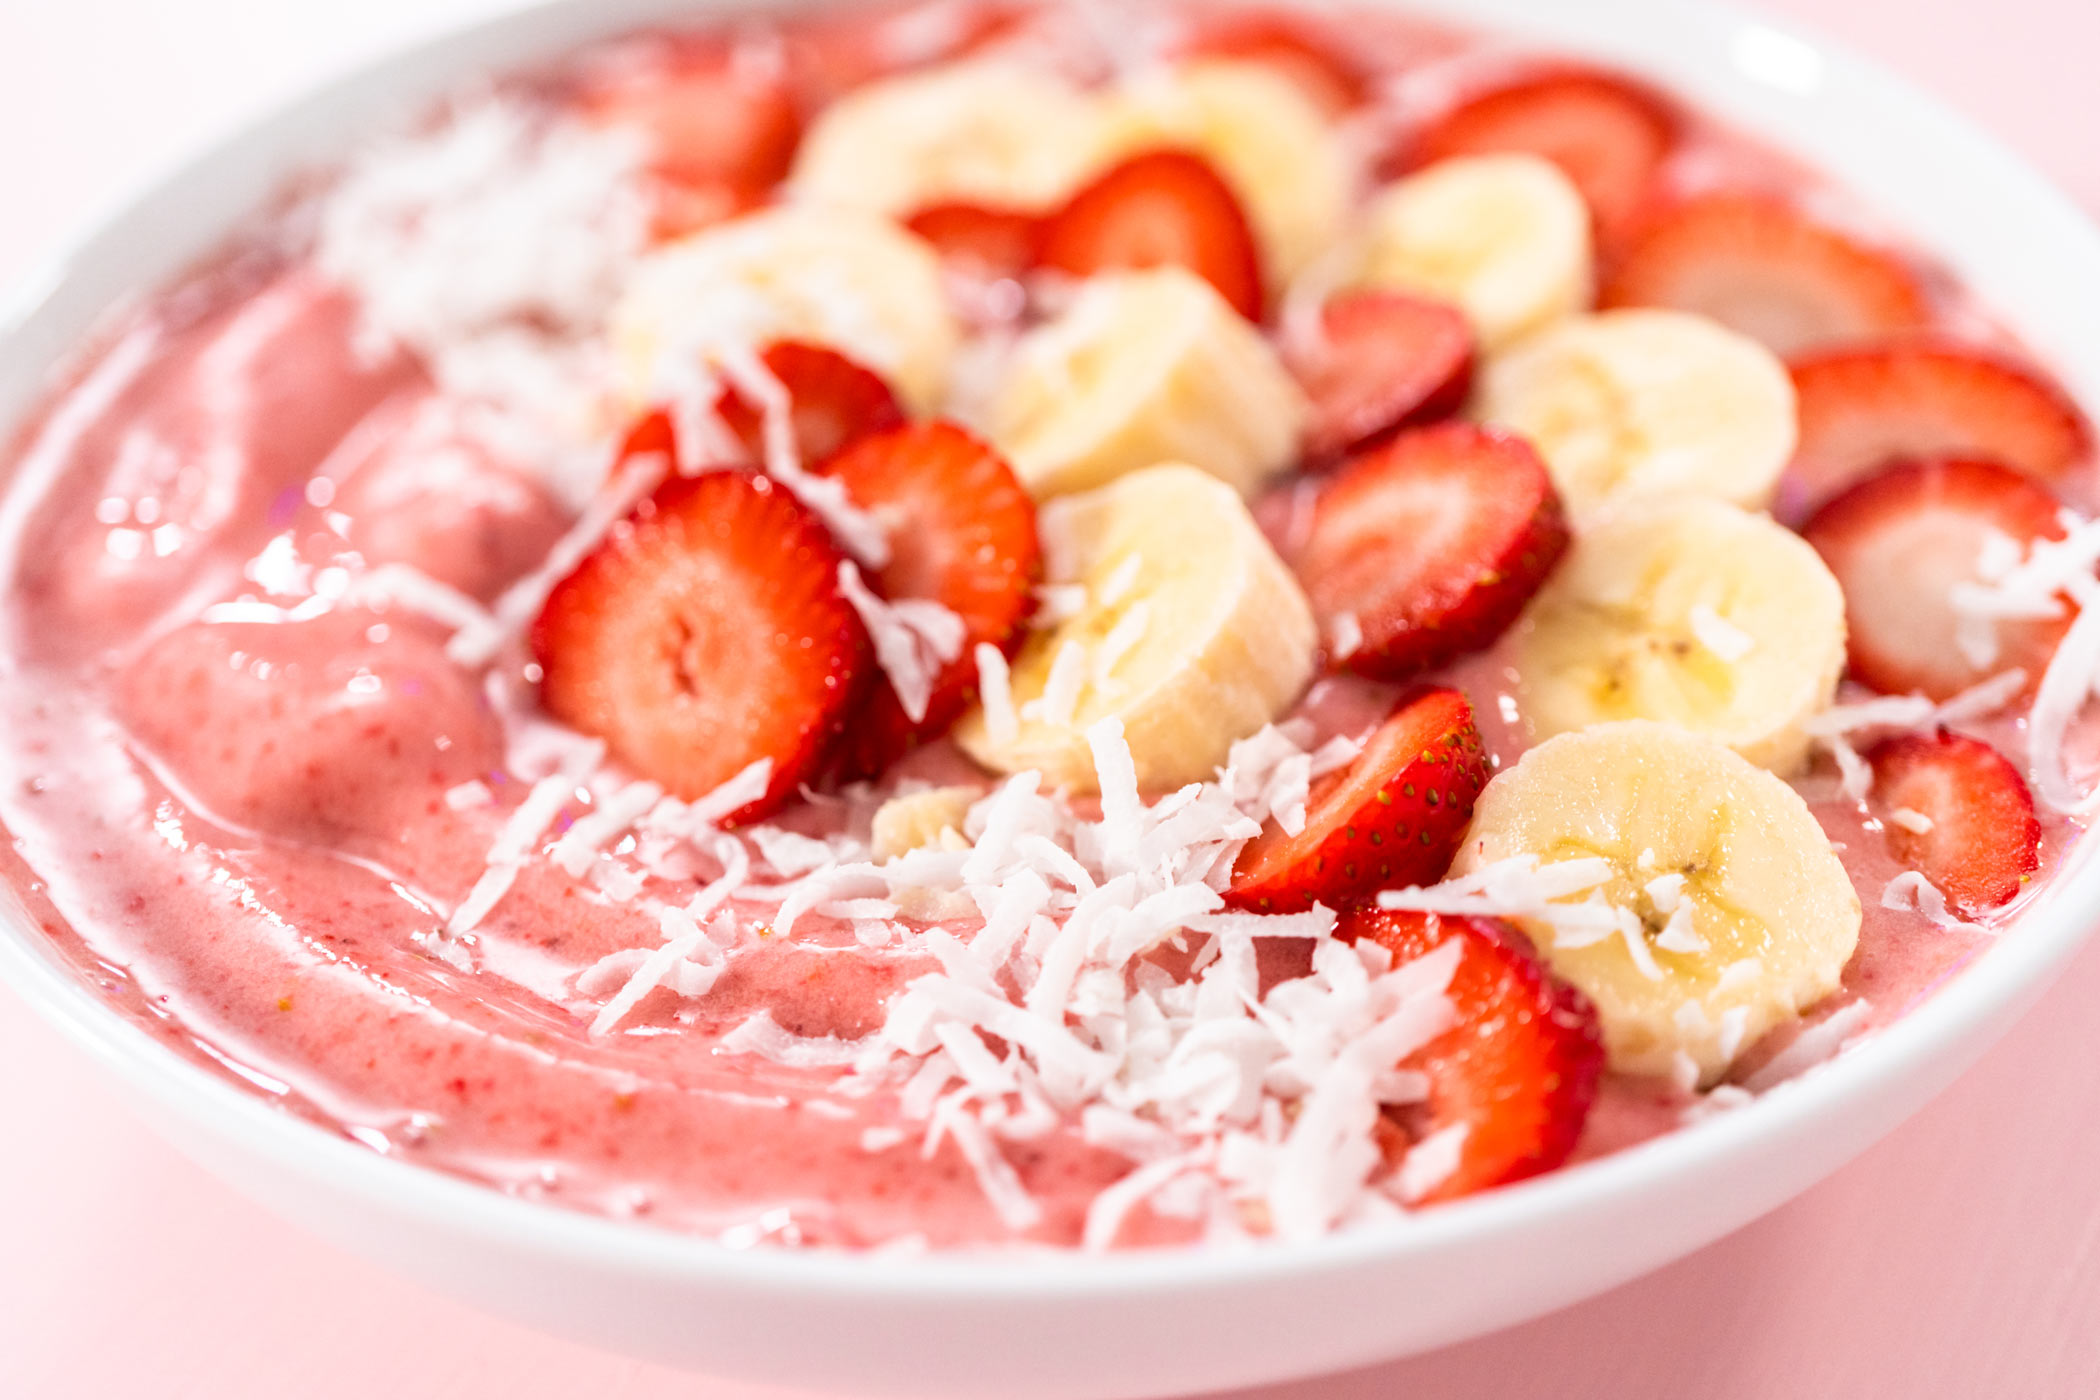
(1156, 1323)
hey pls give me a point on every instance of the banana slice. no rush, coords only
(1277, 150)
(1645, 403)
(1692, 612)
(1733, 914)
(983, 132)
(1145, 367)
(1504, 238)
(850, 280)
(1194, 634)
(929, 817)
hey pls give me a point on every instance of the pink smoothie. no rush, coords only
(238, 812)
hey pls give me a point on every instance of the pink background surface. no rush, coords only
(1959, 1258)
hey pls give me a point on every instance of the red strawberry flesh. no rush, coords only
(1384, 361)
(1759, 266)
(962, 533)
(704, 634)
(989, 242)
(1864, 409)
(1899, 542)
(1394, 817)
(1165, 207)
(1430, 546)
(1608, 134)
(1521, 1067)
(833, 402)
(1983, 841)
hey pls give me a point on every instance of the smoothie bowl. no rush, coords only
(1090, 703)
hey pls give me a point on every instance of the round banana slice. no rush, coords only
(1646, 403)
(1721, 911)
(1145, 367)
(983, 132)
(1692, 612)
(853, 281)
(1274, 146)
(1193, 633)
(1504, 238)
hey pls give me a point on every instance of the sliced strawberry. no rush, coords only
(835, 402)
(1384, 361)
(1608, 133)
(1395, 816)
(1981, 841)
(1326, 72)
(706, 633)
(962, 533)
(1160, 207)
(990, 242)
(1430, 546)
(721, 132)
(1520, 1069)
(1864, 409)
(1758, 265)
(1898, 544)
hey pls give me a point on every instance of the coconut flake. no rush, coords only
(1059, 701)
(1430, 1162)
(995, 693)
(914, 639)
(766, 1038)
(1718, 635)
(1813, 1046)
(1911, 892)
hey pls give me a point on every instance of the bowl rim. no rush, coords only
(2004, 976)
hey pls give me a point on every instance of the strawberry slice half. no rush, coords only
(1429, 547)
(989, 242)
(1322, 69)
(1165, 207)
(1863, 409)
(1521, 1067)
(834, 402)
(706, 633)
(1395, 816)
(1958, 812)
(1759, 266)
(1384, 361)
(962, 533)
(721, 132)
(1900, 542)
(1609, 134)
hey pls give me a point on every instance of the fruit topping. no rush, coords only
(1640, 402)
(1758, 265)
(1188, 631)
(833, 403)
(1959, 813)
(1380, 362)
(989, 242)
(1429, 547)
(1519, 1071)
(1906, 545)
(1325, 71)
(705, 634)
(1504, 238)
(1393, 817)
(962, 535)
(1865, 409)
(1691, 895)
(1608, 134)
(720, 132)
(1164, 207)
(1689, 611)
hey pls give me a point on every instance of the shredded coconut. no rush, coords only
(914, 639)
(1718, 635)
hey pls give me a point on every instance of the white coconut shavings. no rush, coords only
(766, 1038)
(1430, 1162)
(1345, 636)
(520, 832)
(578, 847)
(1108, 1210)
(995, 692)
(1836, 728)
(1911, 820)
(687, 940)
(1912, 892)
(1059, 701)
(2066, 686)
(1520, 888)
(1718, 635)
(915, 638)
(411, 588)
(1059, 602)
(1813, 1046)
(468, 795)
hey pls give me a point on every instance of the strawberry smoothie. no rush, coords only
(539, 768)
